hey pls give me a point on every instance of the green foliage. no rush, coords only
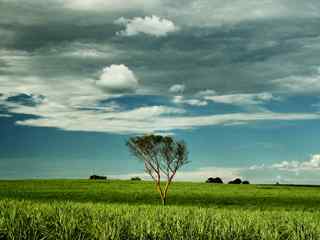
(162, 156)
(81, 209)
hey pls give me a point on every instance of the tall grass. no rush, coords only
(82, 209)
(68, 220)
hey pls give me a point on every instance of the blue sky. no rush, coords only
(237, 80)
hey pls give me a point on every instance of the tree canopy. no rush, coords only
(162, 156)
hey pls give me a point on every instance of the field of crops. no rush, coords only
(81, 209)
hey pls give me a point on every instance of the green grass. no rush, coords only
(82, 209)
(268, 197)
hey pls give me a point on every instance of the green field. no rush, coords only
(83, 209)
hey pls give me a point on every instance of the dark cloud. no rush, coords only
(240, 54)
(26, 99)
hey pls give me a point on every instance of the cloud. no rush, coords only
(138, 121)
(154, 26)
(78, 49)
(260, 175)
(192, 102)
(217, 12)
(118, 78)
(299, 84)
(110, 5)
(257, 167)
(66, 94)
(196, 101)
(177, 88)
(229, 59)
(75, 105)
(313, 164)
(201, 174)
(241, 99)
(206, 93)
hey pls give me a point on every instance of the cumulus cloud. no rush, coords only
(154, 26)
(177, 88)
(55, 95)
(206, 93)
(118, 78)
(192, 102)
(179, 99)
(313, 164)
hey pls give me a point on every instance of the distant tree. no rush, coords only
(135, 179)
(245, 182)
(162, 156)
(96, 177)
(236, 181)
(214, 180)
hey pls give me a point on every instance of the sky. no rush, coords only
(238, 81)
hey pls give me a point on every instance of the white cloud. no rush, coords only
(75, 105)
(140, 120)
(192, 102)
(14, 61)
(117, 78)
(110, 5)
(298, 84)
(59, 94)
(257, 174)
(177, 88)
(206, 93)
(197, 101)
(286, 165)
(201, 174)
(313, 164)
(257, 167)
(241, 99)
(154, 26)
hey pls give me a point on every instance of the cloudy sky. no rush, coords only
(238, 80)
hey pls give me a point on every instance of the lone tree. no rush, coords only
(162, 156)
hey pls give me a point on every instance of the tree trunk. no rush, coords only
(164, 201)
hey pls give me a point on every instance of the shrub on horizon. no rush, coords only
(236, 181)
(214, 180)
(135, 179)
(96, 177)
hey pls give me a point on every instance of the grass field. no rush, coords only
(82, 209)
